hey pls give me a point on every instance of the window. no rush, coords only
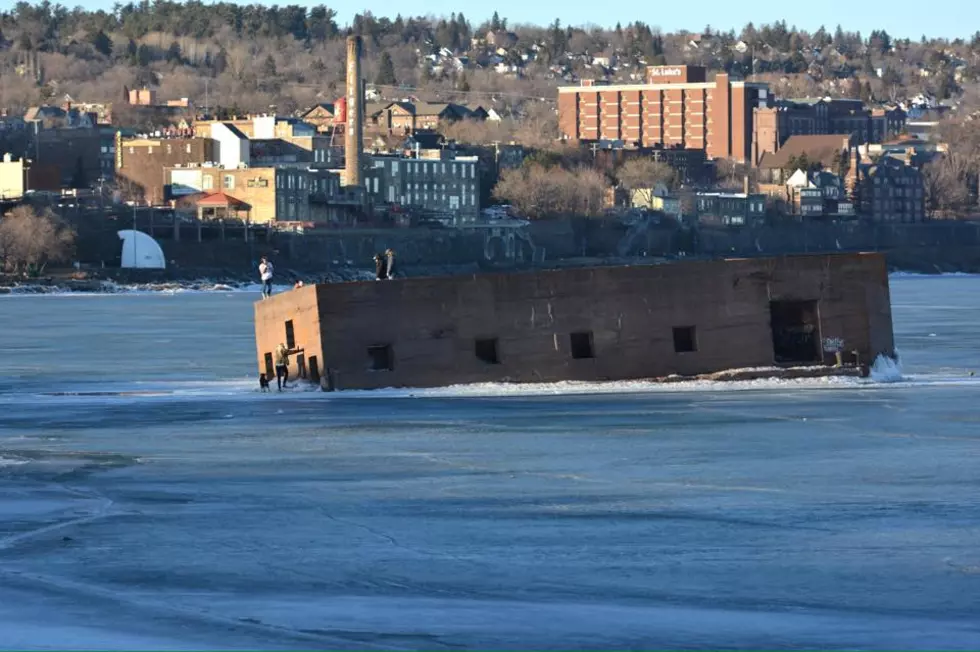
(581, 345)
(168, 149)
(230, 181)
(208, 182)
(685, 339)
(188, 148)
(486, 350)
(290, 335)
(269, 370)
(381, 357)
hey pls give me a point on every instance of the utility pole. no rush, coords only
(207, 112)
(135, 238)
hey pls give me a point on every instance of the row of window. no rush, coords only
(290, 182)
(149, 149)
(581, 347)
(423, 166)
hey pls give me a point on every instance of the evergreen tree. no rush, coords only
(143, 56)
(386, 72)
(945, 87)
(131, 51)
(220, 62)
(173, 53)
(102, 43)
(269, 67)
(494, 22)
(866, 95)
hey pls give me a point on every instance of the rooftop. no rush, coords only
(820, 148)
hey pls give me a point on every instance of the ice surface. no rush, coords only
(157, 500)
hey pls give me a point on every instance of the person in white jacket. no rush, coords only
(265, 273)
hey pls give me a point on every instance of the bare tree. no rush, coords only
(643, 175)
(30, 240)
(540, 191)
(951, 179)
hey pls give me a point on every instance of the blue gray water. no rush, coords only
(200, 514)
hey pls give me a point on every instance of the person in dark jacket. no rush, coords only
(390, 263)
(380, 267)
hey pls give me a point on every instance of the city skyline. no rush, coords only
(904, 20)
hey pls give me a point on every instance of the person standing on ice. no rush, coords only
(390, 264)
(265, 273)
(282, 364)
(380, 267)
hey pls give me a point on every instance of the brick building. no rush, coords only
(730, 208)
(141, 163)
(323, 116)
(775, 124)
(18, 176)
(262, 194)
(601, 323)
(886, 190)
(676, 107)
(447, 186)
(828, 151)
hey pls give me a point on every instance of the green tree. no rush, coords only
(386, 71)
(220, 62)
(495, 22)
(269, 67)
(174, 54)
(102, 43)
(143, 56)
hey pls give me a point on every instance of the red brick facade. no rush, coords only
(677, 107)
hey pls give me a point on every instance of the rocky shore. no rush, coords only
(225, 280)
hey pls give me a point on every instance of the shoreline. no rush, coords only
(55, 285)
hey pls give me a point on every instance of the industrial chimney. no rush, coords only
(355, 113)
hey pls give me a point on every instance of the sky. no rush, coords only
(900, 18)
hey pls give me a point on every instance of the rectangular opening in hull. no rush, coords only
(795, 331)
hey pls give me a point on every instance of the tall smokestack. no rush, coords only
(355, 112)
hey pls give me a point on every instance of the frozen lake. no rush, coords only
(200, 514)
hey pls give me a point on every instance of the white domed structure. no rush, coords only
(140, 251)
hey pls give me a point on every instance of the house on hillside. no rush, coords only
(826, 152)
(818, 194)
(322, 116)
(887, 190)
(501, 39)
(406, 117)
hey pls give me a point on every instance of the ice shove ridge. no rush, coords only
(884, 373)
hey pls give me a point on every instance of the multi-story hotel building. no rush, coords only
(676, 106)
